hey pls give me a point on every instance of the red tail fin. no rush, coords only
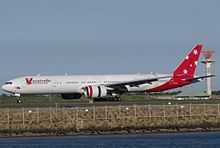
(184, 72)
(187, 68)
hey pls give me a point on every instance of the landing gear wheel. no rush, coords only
(19, 101)
(117, 98)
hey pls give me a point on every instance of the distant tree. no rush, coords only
(3, 95)
(216, 92)
(167, 93)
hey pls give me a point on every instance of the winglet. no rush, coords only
(187, 68)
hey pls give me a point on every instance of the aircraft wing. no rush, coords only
(121, 86)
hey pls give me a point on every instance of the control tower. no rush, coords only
(208, 61)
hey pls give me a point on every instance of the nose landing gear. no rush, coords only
(19, 100)
(18, 96)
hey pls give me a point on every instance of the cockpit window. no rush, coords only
(8, 83)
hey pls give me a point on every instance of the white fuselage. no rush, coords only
(93, 86)
(75, 83)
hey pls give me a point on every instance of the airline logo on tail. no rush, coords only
(184, 73)
(187, 67)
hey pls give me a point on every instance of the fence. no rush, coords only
(111, 117)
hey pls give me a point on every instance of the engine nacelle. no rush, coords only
(95, 91)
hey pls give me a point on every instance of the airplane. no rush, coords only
(103, 86)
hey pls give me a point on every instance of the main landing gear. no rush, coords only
(103, 99)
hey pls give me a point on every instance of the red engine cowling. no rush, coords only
(95, 91)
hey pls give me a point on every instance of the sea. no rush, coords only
(172, 140)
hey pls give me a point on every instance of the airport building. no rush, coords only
(193, 96)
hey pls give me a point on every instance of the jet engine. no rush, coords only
(95, 91)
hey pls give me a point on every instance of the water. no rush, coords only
(182, 140)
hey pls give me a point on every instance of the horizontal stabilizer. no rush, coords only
(198, 79)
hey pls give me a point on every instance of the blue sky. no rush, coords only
(104, 36)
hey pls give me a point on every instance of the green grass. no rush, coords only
(51, 101)
(35, 101)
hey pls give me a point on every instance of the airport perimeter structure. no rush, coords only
(98, 119)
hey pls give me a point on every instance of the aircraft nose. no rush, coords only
(6, 88)
(3, 87)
